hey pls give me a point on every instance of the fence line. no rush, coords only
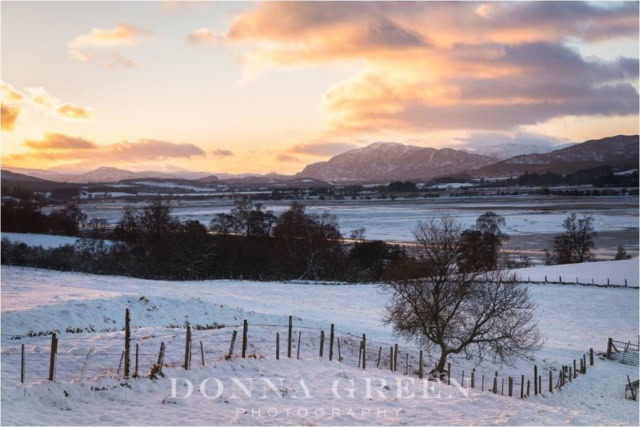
(35, 361)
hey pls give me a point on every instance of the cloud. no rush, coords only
(201, 36)
(99, 45)
(287, 158)
(222, 153)
(57, 147)
(74, 112)
(427, 66)
(489, 139)
(9, 93)
(37, 104)
(322, 148)
(121, 35)
(9, 116)
(58, 141)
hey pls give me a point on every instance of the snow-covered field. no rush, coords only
(47, 241)
(571, 318)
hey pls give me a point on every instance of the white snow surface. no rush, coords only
(601, 272)
(47, 241)
(571, 318)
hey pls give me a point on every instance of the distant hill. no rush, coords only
(383, 161)
(617, 151)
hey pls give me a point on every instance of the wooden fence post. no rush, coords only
(495, 383)
(321, 343)
(510, 387)
(535, 380)
(277, 345)
(502, 388)
(584, 363)
(591, 356)
(420, 372)
(550, 381)
(160, 358)
(364, 351)
(187, 348)
(575, 371)
(202, 353)
(22, 364)
(395, 358)
(406, 364)
(570, 375)
(233, 343)
(127, 342)
(299, 344)
(482, 388)
(135, 372)
(473, 378)
(331, 343)
(448, 373)
(391, 358)
(540, 384)
(522, 387)
(528, 387)
(52, 359)
(245, 326)
(339, 353)
(290, 337)
(379, 354)
(360, 354)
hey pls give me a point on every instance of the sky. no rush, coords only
(235, 87)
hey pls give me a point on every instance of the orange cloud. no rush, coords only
(58, 141)
(9, 116)
(287, 158)
(449, 65)
(9, 93)
(99, 45)
(60, 147)
(74, 112)
(201, 36)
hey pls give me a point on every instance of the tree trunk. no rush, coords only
(440, 368)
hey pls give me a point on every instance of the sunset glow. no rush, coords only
(260, 87)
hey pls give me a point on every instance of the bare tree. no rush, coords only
(478, 314)
(576, 244)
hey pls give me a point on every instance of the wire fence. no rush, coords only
(90, 356)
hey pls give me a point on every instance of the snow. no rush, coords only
(453, 185)
(572, 319)
(616, 272)
(47, 241)
(396, 220)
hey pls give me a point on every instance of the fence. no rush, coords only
(623, 352)
(122, 355)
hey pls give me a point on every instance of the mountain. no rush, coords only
(512, 149)
(384, 161)
(109, 174)
(616, 151)
(40, 173)
(10, 176)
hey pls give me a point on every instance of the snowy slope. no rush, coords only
(571, 318)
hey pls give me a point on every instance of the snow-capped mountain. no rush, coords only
(109, 174)
(394, 161)
(512, 149)
(615, 151)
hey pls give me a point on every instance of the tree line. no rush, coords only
(249, 242)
